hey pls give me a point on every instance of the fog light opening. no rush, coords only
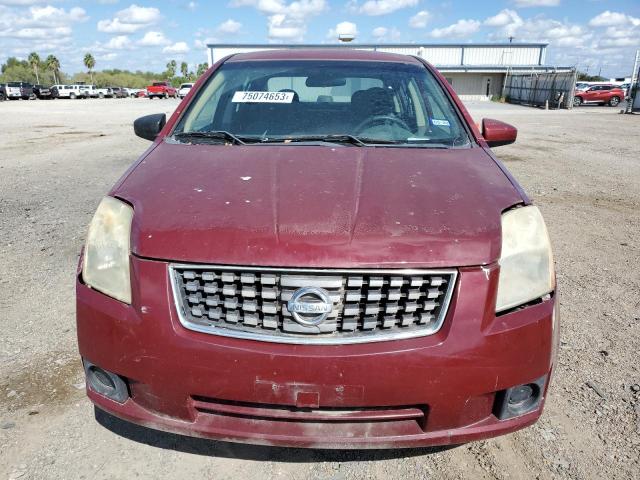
(106, 383)
(520, 399)
(100, 376)
(523, 396)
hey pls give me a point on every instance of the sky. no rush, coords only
(594, 35)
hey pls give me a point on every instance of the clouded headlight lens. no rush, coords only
(106, 254)
(526, 262)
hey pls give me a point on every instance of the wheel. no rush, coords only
(165, 96)
(100, 95)
(577, 101)
(72, 96)
(614, 101)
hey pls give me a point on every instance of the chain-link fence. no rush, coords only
(553, 89)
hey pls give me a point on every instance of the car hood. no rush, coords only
(317, 206)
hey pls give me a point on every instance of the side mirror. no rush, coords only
(497, 133)
(149, 126)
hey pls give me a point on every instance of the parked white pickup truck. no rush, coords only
(104, 92)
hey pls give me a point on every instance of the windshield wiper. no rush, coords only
(350, 139)
(216, 135)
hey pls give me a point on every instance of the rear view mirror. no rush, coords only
(149, 126)
(497, 133)
(325, 81)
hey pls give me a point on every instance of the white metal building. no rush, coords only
(476, 71)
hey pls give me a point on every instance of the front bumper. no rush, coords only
(434, 390)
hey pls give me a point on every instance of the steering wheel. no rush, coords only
(379, 120)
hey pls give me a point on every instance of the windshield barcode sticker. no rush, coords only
(440, 123)
(262, 97)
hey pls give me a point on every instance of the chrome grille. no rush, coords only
(368, 305)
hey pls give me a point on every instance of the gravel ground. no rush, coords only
(57, 159)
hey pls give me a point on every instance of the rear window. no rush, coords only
(158, 84)
(376, 101)
(13, 84)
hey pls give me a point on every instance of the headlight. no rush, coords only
(526, 262)
(106, 254)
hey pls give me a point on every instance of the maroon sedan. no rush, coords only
(319, 249)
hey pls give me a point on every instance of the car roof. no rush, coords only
(324, 54)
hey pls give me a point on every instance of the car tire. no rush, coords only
(101, 95)
(614, 101)
(165, 96)
(577, 101)
(72, 96)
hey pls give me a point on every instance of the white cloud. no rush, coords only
(107, 57)
(420, 19)
(460, 29)
(536, 3)
(139, 15)
(52, 15)
(130, 19)
(201, 44)
(343, 28)
(229, 26)
(380, 32)
(153, 39)
(538, 29)
(118, 42)
(380, 7)
(611, 19)
(503, 18)
(178, 47)
(21, 2)
(386, 34)
(286, 20)
(40, 22)
(281, 27)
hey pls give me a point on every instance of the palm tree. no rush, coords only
(34, 61)
(171, 68)
(184, 69)
(89, 62)
(202, 67)
(53, 64)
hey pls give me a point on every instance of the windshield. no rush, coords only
(375, 102)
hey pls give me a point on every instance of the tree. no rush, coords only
(53, 64)
(202, 67)
(89, 62)
(171, 69)
(184, 69)
(585, 77)
(34, 61)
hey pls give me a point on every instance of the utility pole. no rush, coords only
(511, 39)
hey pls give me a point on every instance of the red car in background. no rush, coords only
(286, 270)
(161, 90)
(605, 94)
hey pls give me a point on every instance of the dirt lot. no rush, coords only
(58, 158)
